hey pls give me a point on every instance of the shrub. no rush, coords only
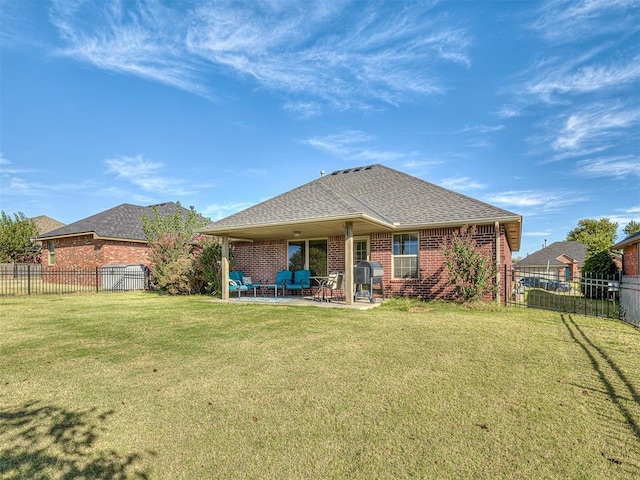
(472, 271)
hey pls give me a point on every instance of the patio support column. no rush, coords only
(225, 267)
(497, 229)
(348, 263)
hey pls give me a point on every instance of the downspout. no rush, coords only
(497, 231)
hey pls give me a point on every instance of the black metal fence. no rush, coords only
(32, 279)
(592, 295)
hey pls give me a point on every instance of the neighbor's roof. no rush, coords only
(550, 254)
(373, 198)
(631, 239)
(123, 222)
(46, 224)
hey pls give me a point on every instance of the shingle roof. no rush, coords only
(123, 222)
(385, 195)
(45, 224)
(549, 255)
(633, 238)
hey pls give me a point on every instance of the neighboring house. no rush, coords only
(370, 213)
(112, 237)
(559, 261)
(630, 247)
(630, 285)
(46, 224)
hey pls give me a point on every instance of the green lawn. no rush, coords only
(139, 385)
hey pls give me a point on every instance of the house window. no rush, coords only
(405, 255)
(360, 250)
(309, 255)
(52, 252)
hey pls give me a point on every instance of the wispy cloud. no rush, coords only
(217, 211)
(355, 145)
(553, 78)
(616, 166)
(481, 128)
(145, 174)
(593, 129)
(462, 184)
(372, 53)
(571, 20)
(535, 202)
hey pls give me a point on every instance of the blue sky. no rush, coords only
(532, 106)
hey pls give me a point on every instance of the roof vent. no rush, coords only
(346, 171)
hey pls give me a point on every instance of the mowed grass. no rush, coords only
(139, 385)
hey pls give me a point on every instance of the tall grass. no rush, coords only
(138, 385)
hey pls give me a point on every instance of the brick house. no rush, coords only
(559, 261)
(112, 237)
(630, 284)
(370, 213)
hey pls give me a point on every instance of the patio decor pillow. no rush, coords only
(247, 280)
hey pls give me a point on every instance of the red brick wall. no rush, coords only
(630, 260)
(86, 252)
(261, 260)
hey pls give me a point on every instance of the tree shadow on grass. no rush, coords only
(42, 441)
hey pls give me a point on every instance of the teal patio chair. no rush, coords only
(283, 279)
(241, 279)
(237, 287)
(301, 281)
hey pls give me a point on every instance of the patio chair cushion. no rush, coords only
(301, 280)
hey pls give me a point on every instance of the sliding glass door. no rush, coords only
(309, 255)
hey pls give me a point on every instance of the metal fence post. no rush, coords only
(96, 279)
(28, 279)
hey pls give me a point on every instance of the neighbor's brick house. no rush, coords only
(559, 261)
(630, 284)
(112, 237)
(367, 213)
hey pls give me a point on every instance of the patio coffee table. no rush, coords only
(275, 288)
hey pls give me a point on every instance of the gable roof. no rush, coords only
(123, 222)
(550, 255)
(630, 240)
(46, 224)
(374, 198)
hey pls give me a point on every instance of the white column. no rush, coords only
(348, 262)
(225, 267)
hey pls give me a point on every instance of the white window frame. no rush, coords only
(405, 256)
(362, 239)
(51, 246)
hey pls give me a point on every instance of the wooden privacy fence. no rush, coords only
(32, 279)
(592, 295)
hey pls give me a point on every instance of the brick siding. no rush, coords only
(261, 260)
(630, 260)
(83, 251)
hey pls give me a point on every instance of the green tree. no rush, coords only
(599, 266)
(173, 266)
(597, 235)
(472, 271)
(207, 267)
(17, 238)
(631, 228)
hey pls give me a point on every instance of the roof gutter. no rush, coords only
(342, 218)
(93, 235)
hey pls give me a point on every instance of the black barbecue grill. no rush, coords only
(367, 276)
